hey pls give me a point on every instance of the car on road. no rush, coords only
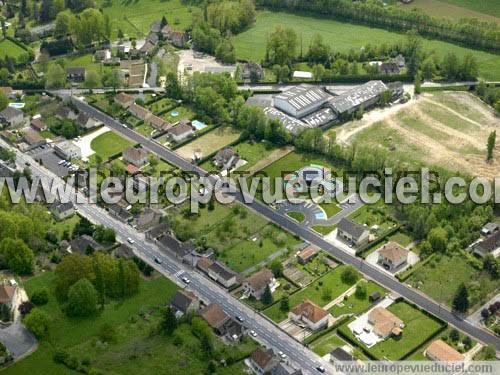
(253, 333)
(124, 125)
(186, 280)
(158, 260)
(130, 241)
(320, 369)
(240, 319)
(282, 355)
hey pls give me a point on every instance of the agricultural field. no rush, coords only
(210, 142)
(251, 44)
(135, 17)
(11, 49)
(85, 61)
(447, 130)
(435, 279)
(321, 291)
(485, 10)
(419, 328)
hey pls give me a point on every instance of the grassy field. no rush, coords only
(419, 328)
(341, 36)
(484, 10)
(160, 105)
(210, 142)
(435, 280)
(70, 334)
(299, 216)
(85, 61)
(253, 152)
(321, 291)
(109, 144)
(447, 130)
(135, 17)
(325, 344)
(11, 49)
(184, 112)
(355, 305)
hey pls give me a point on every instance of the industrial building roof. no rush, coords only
(357, 96)
(303, 96)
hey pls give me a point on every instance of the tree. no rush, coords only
(4, 101)
(492, 138)
(16, 255)
(112, 79)
(91, 79)
(469, 68)
(285, 304)
(71, 269)
(360, 292)
(438, 238)
(485, 313)
(454, 335)
(267, 296)
(467, 342)
(417, 82)
(55, 77)
(349, 275)
(413, 51)
(64, 23)
(169, 322)
(47, 11)
(318, 72)
(40, 297)
(37, 321)
(450, 66)
(489, 353)
(428, 68)
(461, 299)
(82, 299)
(318, 50)
(25, 307)
(281, 46)
(225, 51)
(104, 235)
(107, 333)
(277, 268)
(84, 226)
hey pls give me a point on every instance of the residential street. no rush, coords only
(305, 233)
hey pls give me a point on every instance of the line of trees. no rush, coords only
(470, 32)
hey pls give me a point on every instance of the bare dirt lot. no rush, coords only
(447, 129)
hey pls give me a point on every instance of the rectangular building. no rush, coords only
(301, 100)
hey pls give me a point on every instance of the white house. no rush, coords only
(309, 314)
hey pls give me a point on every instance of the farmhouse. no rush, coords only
(184, 302)
(136, 156)
(157, 231)
(389, 67)
(102, 55)
(226, 158)
(85, 121)
(33, 139)
(385, 323)
(64, 112)
(221, 273)
(490, 245)
(251, 71)
(148, 219)
(61, 211)
(169, 242)
(306, 254)
(119, 212)
(124, 100)
(441, 352)
(216, 318)
(256, 284)
(76, 74)
(68, 150)
(176, 37)
(158, 123)
(124, 251)
(309, 314)
(262, 361)
(301, 100)
(147, 48)
(11, 116)
(352, 232)
(391, 255)
(362, 96)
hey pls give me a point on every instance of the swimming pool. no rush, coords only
(320, 216)
(17, 105)
(198, 124)
(174, 113)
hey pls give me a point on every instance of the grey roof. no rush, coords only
(63, 111)
(10, 113)
(158, 230)
(173, 244)
(182, 300)
(321, 117)
(303, 96)
(80, 244)
(354, 229)
(61, 207)
(341, 355)
(489, 244)
(222, 270)
(77, 70)
(357, 96)
(283, 369)
(180, 129)
(490, 227)
(259, 101)
(291, 124)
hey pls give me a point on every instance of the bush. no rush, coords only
(349, 275)
(60, 356)
(40, 297)
(37, 321)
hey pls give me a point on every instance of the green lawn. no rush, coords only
(145, 129)
(108, 144)
(435, 279)
(11, 49)
(377, 214)
(183, 111)
(355, 305)
(321, 291)
(419, 328)
(330, 208)
(299, 216)
(66, 225)
(252, 152)
(484, 6)
(69, 333)
(160, 105)
(342, 37)
(326, 343)
(135, 17)
(324, 229)
(85, 61)
(483, 10)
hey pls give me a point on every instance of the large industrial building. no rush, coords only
(364, 96)
(301, 100)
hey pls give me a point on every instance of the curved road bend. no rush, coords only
(306, 234)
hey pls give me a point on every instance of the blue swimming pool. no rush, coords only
(16, 105)
(198, 124)
(174, 113)
(320, 216)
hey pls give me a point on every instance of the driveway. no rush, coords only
(372, 258)
(85, 141)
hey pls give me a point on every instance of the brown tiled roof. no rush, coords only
(133, 154)
(442, 352)
(262, 357)
(260, 279)
(132, 169)
(214, 315)
(38, 124)
(308, 252)
(310, 311)
(180, 129)
(6, 293)
(32, 137)
(138, 111)
(393, 252)
(7, 90)
(158, 122)
(204, 263)
(383, 321)
(124, 97)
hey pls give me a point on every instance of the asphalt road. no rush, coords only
(267, 333)
(305, 233)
